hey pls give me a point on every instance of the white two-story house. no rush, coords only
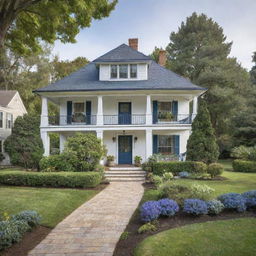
(11, 106)
(135, 105)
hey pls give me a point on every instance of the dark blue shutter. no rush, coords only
(176, 144)
(175, 109)
(155, 142)
(155, 110)
(69, 112)
(88, 112)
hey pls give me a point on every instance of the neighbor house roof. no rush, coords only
(87, 78)
(6, 97)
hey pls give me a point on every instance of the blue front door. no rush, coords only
(124, 115)
(125, 149)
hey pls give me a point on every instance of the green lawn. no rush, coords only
(219, 238)
(51, 203)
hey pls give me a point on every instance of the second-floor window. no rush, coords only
(133, 71)
(78, 113)
(9, 119)
(165, 111)
(1, 119)
(123, 71)
(113, 71)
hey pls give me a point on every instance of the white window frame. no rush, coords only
(128, 74)
(2, 116)
(73, 110)
(172, 146)
(9, 120)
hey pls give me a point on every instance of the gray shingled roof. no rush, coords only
(87, 78)
(6, 97)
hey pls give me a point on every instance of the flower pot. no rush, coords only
(110, 163)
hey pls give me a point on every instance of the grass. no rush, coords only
(51, 203)
(218, 238)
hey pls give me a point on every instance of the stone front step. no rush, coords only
(125, 179)
(125, 172)
(125, 168)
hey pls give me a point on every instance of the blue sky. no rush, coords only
(152, 21)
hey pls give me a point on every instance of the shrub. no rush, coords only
(214, 207)
(233, 201)
(167, 176)
(215, 169)
(202, 192)
(168, 207)
(195, 207)
(159, 168)
(24, 145)
(124, 235)
(244, 166)
(149, 211)
(244, 153)
(51, 179)
(30, 217)
(250, 197)
(55, 163)
(148, 227)
(157, 180)
(184, 174)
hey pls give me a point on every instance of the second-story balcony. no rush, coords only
(121, 119)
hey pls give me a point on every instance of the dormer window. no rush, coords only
(113, 71)
(123, 71)
(133, 71)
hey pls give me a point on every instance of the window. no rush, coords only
(113, 71)
(165, 144)
(1, 146)
(165, 111)
(133, 71)
(9, 119)
(1, 119)
(123, 71)
(79, 116)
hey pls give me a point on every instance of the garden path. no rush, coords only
(94, 228)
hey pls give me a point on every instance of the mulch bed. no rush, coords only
(28, 242)
(126, 247)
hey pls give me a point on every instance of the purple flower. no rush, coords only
(233, 201)
(149, 211)
(195, 206)
(250, 197)
(168, 207)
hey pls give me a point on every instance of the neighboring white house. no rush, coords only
(11, 106)
(136, 106)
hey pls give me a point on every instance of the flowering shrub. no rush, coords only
(31, 217)
(202, 192)
(167, 176)
(214, 206)
(149, 211)
(168, 207)
(233, 201)
(157, 180)
(195, 206)
(250, 198)
(184, 174)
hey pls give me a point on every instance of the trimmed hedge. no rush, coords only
(244, 166)
(175, 168)
(51, 179)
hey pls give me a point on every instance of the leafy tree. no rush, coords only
(253, 70)
(202, 145)
(24, 23)
(24, 145)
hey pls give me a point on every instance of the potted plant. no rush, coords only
(110, 160)
(137, 160)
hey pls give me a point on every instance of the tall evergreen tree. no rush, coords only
(202, 145)
(253, 70)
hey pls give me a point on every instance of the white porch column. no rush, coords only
(148, 111)
(100, 111)
(44, 112)
(62, 141)
(46, 142)
(194, 107)
(149, 145)
(99, 134)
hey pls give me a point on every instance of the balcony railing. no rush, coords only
(123, 119)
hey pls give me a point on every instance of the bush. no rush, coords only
(159, 168)
(195, 207)
(157, 180)
(215, 169)
(149, 211)
(250, 198)
(168, 207)
(167, 176)
(124, 235)
(233, 201)
(184, 174)
(24, 145)
(51, 179)
(244, 166)
(244, 153)
(202, 192)
(148, 227)
(214, 207)
(31, 217)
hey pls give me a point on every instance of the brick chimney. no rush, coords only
(133, 43)
(162, 58)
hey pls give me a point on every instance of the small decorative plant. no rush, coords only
(214, 206)
(110, 160)
(150, 211)
(137, 160)
(250, 197)
(195, 207)
(233, 201)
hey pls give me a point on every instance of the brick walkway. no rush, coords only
(94, 228)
